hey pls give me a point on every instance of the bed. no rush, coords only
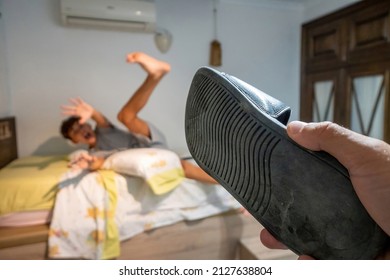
(190, 221)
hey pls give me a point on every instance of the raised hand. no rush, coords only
(79, 108)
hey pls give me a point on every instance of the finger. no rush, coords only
(305, 257)
(130, 58)
(83, 120)
(68, 113)
(75, 101)
(83, 164)
(269, 241)
(80, 101)
(317, 136)
(384, 255)
(68, 108)
(87, 156)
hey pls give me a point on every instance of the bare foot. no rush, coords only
(152, 66)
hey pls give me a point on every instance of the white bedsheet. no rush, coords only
(89, 219)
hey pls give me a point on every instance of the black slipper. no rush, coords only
(237, 134)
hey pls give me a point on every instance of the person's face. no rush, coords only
(82, 134)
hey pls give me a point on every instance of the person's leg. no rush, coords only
(155, 69)
(128, 115)
(192, 171)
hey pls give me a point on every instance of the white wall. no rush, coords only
(261, 46)
(4, 94)
(48, 63)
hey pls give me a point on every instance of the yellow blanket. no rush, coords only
(111, 247)
(94, 211)
(30, 183)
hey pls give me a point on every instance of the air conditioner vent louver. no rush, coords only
(129, 15)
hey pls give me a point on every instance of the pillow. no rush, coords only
(160, 168)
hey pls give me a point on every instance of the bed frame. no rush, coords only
(215, 237)
(8, 147)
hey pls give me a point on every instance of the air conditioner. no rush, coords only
(130, 15)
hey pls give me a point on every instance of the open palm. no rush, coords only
(79, 108)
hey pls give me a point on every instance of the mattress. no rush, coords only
(92, 212)
(30, 183)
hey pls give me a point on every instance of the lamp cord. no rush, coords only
(215, 19)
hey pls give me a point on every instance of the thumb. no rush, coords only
(83, 118)
(345, 145)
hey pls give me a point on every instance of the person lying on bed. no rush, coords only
(107, 137)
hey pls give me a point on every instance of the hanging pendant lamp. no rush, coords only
(215, 47)
(163, 40)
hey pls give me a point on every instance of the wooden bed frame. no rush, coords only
(216, 237)
(8, 148)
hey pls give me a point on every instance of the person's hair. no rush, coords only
(67, 124)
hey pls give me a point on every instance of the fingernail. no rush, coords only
(295, 127)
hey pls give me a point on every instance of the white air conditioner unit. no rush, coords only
(130, 15)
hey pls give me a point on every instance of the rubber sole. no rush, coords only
(304, 198)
